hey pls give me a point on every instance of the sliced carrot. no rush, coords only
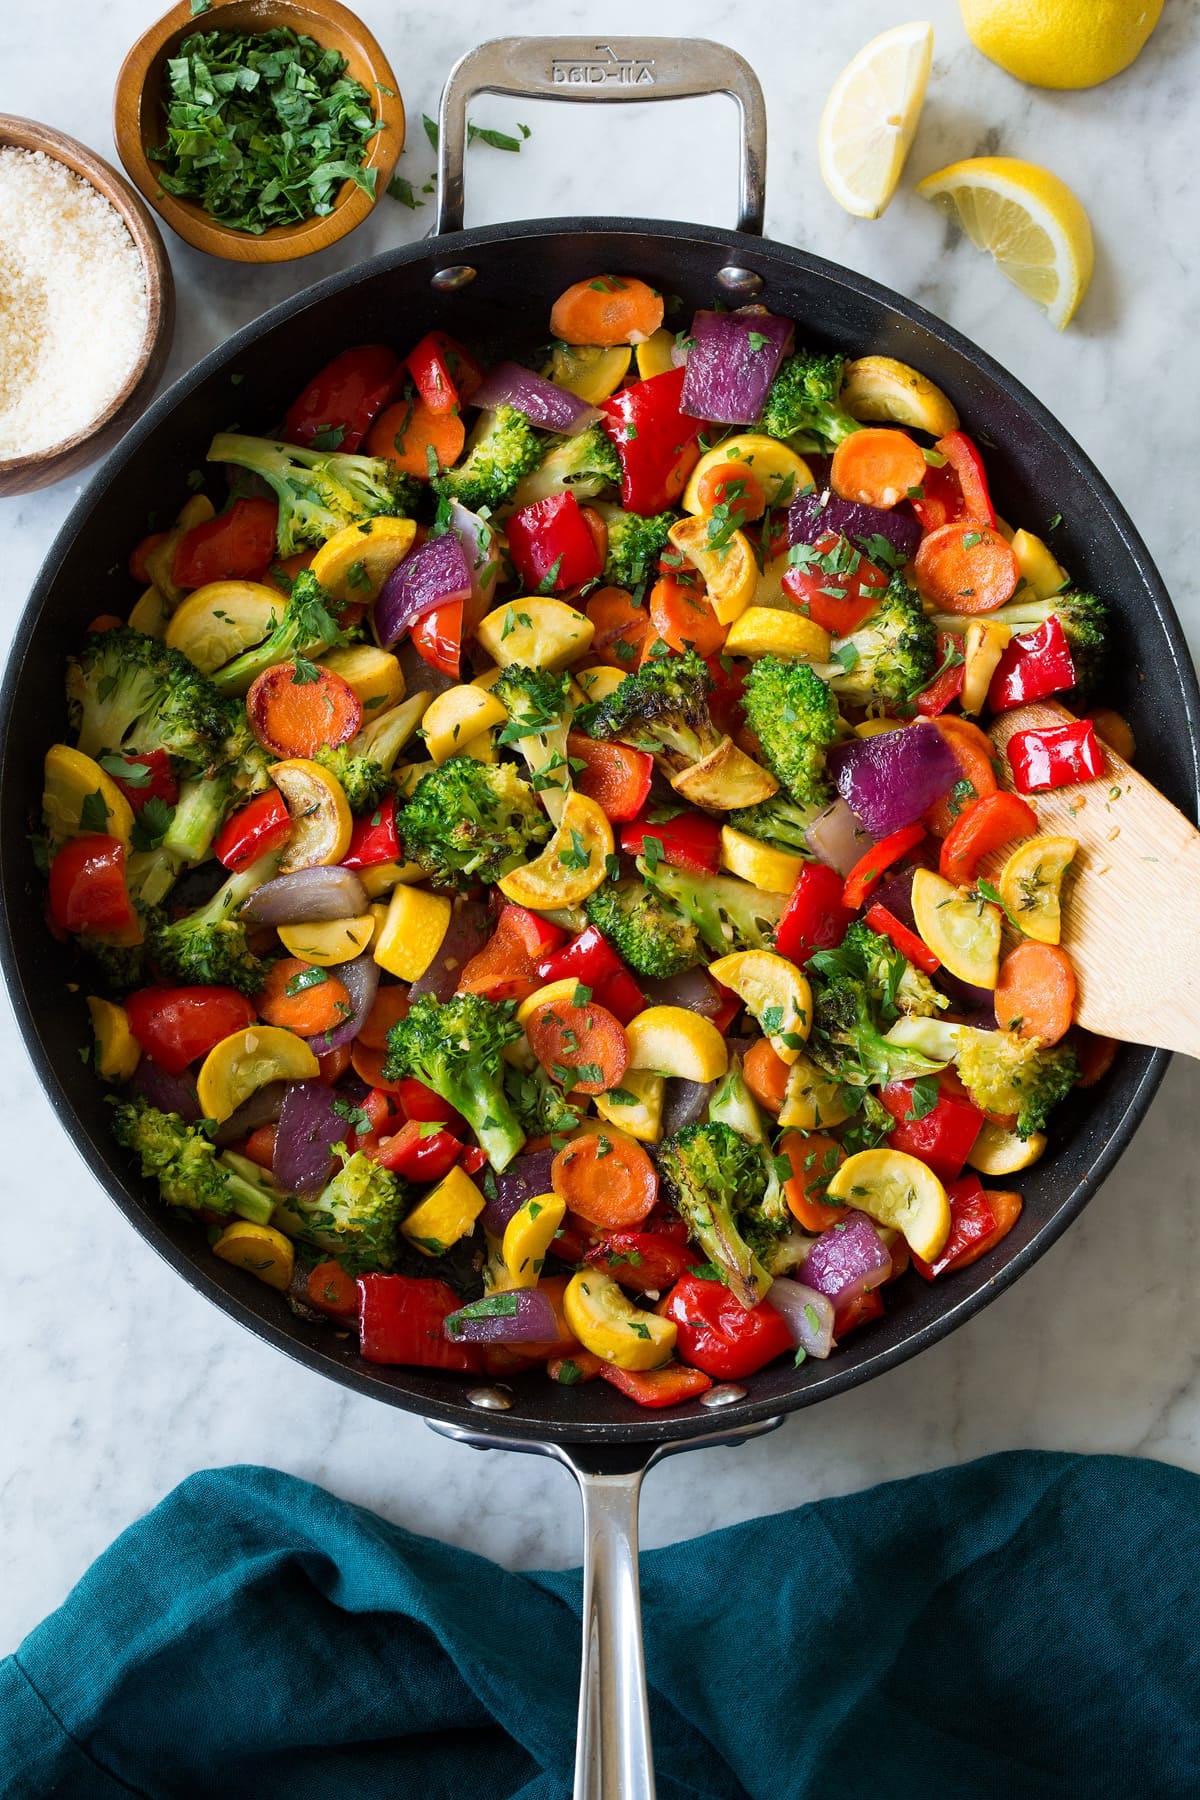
(813, 1157)
(607, 310)
(606, 1178)
(367, 1064)
(867, 872)
(877, 467)
(304, 999)
(735, 485)
(106, 622)
(615, 776)
(417, 441)
(259, 1147)
(980, 828)
(966, 567)
(389, 1007)
(683, 618)
(1096, 1055)
(503, 969)
(283, 573)
(974, 752)
(1111, 729)
(1006, 1210)
(296, 708)
(581, 1365)
(622, 627)
(1035, 994)
(332, 1291)
(584, 1048)
(766, 1075)
(599, 530)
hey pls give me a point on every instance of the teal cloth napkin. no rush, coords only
(1027, 1625)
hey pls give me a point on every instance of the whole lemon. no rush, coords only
(1061, 43)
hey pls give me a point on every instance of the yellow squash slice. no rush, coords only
(774, 992)
(528, 1237)
(1030, 886)
(374, 675)
(1040, 568)
(79, 799)
(812, 1101)
(412, 933)
(319, 811)
(355, 562)
(612, 1327)
(896, 1189)
(769, 631)
(118, 1052)
(260, 1250)
(454, 719)
(656, 356)
(245, 1061)
(775, 871)
(447, 1213)
(880, 389)
(984, 645)
(555, 993)
(670, 1040)
(725, 561)
(220, 620)
(329, 942)
(636, 1106)
(964, 933)
(588, 371)
(572, 865)
(725, 779)
(539, 632)
(999, 1151)
(780, 473)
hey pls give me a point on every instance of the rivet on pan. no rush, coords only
(725, 1395)
(740, 282)
(489, 1399)
(450, 281)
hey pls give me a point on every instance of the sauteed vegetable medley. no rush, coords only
(546, 893)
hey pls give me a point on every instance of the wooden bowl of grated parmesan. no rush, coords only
(87, 305)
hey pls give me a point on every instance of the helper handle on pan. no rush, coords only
(617, 70)
(613, 1757)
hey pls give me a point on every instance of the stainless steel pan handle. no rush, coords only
(613, 1757)
(615, 71)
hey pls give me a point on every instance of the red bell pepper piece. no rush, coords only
(505, 969)
(861, 1310)
(551, 547)
(374, 838)
(591, 959)
(620, 995)
(978, 1220)
(730, 1006)
(940, 501)
(418, 1153)
(869, 868)
(148, 776)
(967, 464)
(238, 545)
(815, 917)
(691, 840)
(906, 941)
(177, 1025)
(985, 825)
(840, 602)
(655, 440)
(87, 886)
(648, 1262)
(658, 1387)
(416, 1101)
(473, 1159)
(1055, 756)
(615, 776)
(1033, 665)
(444, 374)
(728, 685)
(400, 1321)
(716, 1333)
(261, 826)
(437, 637)
(948, 684)
(944, 1137)
(138, 566)
(332, 1291)
(342, 401)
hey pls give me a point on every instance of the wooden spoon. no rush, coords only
(1131, 918)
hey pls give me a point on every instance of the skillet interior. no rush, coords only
(1036, 470)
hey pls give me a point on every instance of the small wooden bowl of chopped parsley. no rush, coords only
(260, 130)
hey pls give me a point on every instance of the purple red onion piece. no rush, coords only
(811, 516)
(808, 1312)
(262, 1108)
(482, 549)
(525, 1178)
(552, 408)
(361, 981)
(847, 1260)
(895, 893)
(433, 574)
(309, 1127)
(168, 1093)
(522, 1316)
(838, 838)
(693, 989)
(684, 1103)
(732, 360)
(306, 898)
(468, 931)
(890, 779)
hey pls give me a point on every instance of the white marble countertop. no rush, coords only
(118, 1379)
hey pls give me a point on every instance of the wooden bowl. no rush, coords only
(22, 474)
(139, 121)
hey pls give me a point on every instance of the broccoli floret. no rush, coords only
(795, 718)
(891, 656)
(1083, 617)
(802, 402)
(208, 947)
(538, 705)
(364, 781)
(728, 913)
(583, 465)
(127, 693)
(457, 1049)
(1007, 1073)
(646, 931)
(501, 449)
(778, 822)
(539, 1103)
(635, 543)
(119, 966)
(769, 1226)
(859, 990)
(356, 1216)
(662, 708)
(716, 1178)
(319, 491)
(470, 822)
(306, 628)
(184, 1161)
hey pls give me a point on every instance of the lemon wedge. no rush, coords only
(1061, 43)
(870, 118)
(1028, 221)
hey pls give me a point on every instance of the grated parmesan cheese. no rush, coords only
(72, 303)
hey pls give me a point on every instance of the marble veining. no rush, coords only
(118, 1379)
